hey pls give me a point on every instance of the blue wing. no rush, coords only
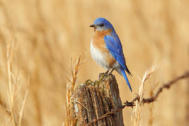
(114, 46)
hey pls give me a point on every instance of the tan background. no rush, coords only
(38, 39)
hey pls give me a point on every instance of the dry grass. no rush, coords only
(138, 108)
(38, 38)
(69, 91)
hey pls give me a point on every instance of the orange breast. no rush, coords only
(98, 42)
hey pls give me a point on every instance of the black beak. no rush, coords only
(92, 25)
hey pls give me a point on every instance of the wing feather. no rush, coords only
(113, 44)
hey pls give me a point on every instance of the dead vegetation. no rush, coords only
(39, 37)
(99, 101)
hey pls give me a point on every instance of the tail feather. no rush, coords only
(126, 78)
(128, 71)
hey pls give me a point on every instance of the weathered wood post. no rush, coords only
(89, 101)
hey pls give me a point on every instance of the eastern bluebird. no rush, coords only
(106, 48)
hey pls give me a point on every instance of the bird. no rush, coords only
(106, 48)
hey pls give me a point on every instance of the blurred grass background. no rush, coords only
(38, 39)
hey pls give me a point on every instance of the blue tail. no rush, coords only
(125, 76)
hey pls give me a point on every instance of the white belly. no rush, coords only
(98, 56)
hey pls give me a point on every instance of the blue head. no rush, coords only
(101, 24)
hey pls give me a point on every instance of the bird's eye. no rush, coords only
(101, 25)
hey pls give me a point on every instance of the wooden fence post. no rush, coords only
(89, 101)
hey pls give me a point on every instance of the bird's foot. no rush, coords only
(107, 72)
(101, 75)
(111, 70)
